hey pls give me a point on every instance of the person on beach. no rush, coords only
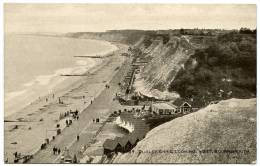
(59, 151)
(46, 99)
(77, 117)
(75, 160)
(77, 137)
(15, 154)
(53, 149)
(67, 123)
(91, 102)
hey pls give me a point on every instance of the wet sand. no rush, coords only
(38, 120)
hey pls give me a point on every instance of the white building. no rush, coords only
(164, 108)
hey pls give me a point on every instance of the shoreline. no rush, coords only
(32, 118)
(55, 85)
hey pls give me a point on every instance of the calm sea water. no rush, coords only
(35, 62)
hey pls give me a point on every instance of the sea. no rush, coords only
(33, 65)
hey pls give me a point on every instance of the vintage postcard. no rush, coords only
(130, 83)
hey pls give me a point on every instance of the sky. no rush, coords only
(20, 18)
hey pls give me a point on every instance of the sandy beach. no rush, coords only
(26, 130)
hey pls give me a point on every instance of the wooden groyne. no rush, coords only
(71, 75)
(97, 56)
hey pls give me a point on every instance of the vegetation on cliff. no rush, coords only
(225, 69)
(203, 64)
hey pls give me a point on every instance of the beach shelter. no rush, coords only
(110, 146)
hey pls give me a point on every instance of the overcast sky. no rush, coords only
(102, 17)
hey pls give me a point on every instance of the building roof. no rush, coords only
(164, 106)
(186, 103)
(178, 102)
(122, 140)
(132, 139)
(193, 103)
(110, 144)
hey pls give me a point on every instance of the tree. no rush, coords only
(182, 31)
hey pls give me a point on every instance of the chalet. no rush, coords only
(119, 144)
(184, 107)
(133, 140)
(125, 144)
(111, 146)
(164, 108)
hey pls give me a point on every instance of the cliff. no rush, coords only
(220, 133)
(165, 59)
(190, 65)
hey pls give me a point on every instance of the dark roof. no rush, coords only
(178, 102)
(186, 104)
(195, 103)
(132, 138)
(140, 126)
(122, 141)
(110, 144)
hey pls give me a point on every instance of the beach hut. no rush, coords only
(123, 142)
(111, 146)
(186, 108)
(132, 138)
(183, 106)
(128, 146)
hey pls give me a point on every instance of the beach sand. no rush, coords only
(26, 130)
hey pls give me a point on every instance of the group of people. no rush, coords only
(68, 122)
(17, 156)
(56, 150)
(96, 120)
(60, 101)
(43, 146)
(75, 114)
(47, 98)
(107, 86)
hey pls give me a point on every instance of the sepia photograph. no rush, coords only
(129, 83)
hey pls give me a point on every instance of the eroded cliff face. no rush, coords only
(164, 62)
(166, 54)
(220, 133)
